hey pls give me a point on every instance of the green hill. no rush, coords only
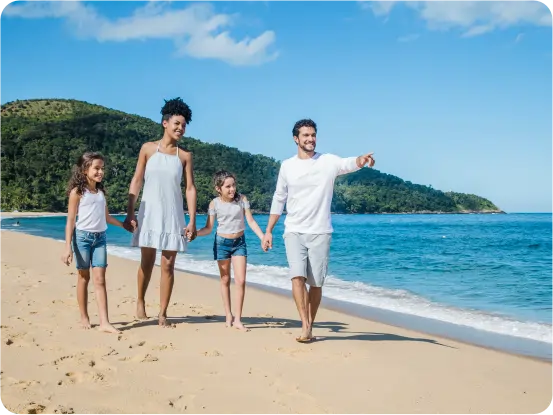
(41, 139)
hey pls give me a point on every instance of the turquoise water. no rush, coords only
(489, 272)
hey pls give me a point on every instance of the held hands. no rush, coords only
(267, 242)
(130, 224)
(67, 256)
(190, 232)
(367, 158)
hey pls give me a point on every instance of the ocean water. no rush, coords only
(487, 272)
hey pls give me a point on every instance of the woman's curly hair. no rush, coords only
(78, 178)
(219, 180)
(176, 106)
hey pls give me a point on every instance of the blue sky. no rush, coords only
(456, 95)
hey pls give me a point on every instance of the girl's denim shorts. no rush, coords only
(225, 248)
(90, 249)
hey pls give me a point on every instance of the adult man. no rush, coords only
(306, 184)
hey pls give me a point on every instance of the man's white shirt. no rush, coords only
(306, 187)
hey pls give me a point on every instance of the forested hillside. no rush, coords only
(41, 139)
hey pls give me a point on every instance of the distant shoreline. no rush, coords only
(8, 215)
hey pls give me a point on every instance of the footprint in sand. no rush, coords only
(111, 352)
(181, 403)
(213, 353)
(24, 384)
(196, 308)
(34, 408)
(63, 410)
(80, 377)
(81, 359)
(18, 339)
(140, 344)
(275, 324)
(59, 360)
(164, 347)
(149, 358)
(140, 358)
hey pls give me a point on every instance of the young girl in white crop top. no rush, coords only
(87, 237)
(229, 246)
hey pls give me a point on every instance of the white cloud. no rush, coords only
(474, 17)
(379, 8)
(519, 38)
(196, 30)
(478, 30)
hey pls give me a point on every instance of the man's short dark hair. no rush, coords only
(176, 106)
(306, 122)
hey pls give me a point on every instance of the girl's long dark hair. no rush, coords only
(78, 178)
(219, 180)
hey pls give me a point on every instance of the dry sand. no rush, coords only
(50, 365)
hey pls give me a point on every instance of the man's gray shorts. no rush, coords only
(308, 256)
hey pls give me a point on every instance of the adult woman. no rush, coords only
(161, 222)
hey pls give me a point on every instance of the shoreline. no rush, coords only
(11, 215)
(516, 346)
(453, 330)
(503, 343)
(50, 362)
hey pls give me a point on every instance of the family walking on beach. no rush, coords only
(305, 185)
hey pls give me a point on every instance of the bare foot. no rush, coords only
(163, 321)
(108, 328)
(229, 321)
(306, 336)
(141, 311)
(85, 323)
(238, 325)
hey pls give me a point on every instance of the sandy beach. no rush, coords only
(50, 365)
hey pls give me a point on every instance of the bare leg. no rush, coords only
(224, 272)
(166, 286)
(147, 261)
(315, 295)
(102, 300)
(306, 298)
(298, 290)
(239, 266)
(82, 296)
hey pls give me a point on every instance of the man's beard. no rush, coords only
(306, 150)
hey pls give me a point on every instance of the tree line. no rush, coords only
(42, 139)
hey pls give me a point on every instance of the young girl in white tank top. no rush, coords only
(229, 246)
(87, 237)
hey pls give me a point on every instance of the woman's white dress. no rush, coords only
(161, 222)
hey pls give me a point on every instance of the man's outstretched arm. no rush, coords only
(351, 164)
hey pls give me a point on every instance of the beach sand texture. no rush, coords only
(50, 365)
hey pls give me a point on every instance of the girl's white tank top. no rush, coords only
(91, 216)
